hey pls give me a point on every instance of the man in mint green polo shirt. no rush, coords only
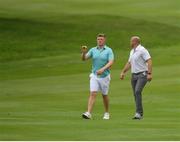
(102, 59)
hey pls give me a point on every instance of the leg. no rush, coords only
(104, 87)
(91, 101)
(106, 102)
(141, 82)
(94, 87)
(133, 84)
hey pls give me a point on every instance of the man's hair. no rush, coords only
(101, 35)
(137, 38)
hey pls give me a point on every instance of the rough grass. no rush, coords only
(25, 39)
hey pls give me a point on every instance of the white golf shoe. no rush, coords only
(137, 116)
(86, 115)
(106, 116)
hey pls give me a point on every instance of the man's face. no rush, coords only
(101, 41)
(133, 42)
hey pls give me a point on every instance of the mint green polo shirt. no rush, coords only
(100, 57)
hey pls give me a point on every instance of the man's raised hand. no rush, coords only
(84, 49)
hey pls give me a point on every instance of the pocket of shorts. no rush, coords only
(90, 75)
(109, 77)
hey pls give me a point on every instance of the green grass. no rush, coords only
(44, 85)
(49, 108)
(28, 39)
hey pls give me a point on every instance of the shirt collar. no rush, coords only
(101, 48)
(137, 48)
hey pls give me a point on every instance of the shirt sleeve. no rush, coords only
(146, 55)
(111, 55)
(89, 54)
(129, 60)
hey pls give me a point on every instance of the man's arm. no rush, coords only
(149, 75)
(125, 69)
(83, 56)
(107, 66)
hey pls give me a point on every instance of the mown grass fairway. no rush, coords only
(44, 85)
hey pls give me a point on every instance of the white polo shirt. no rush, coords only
(137, 58)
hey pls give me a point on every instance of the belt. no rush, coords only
(139, 73)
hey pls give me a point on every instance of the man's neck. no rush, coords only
(101, 46)
(136, 46)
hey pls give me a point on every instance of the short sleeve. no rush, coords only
(129, 60)
(146, 55)
(89, 54)
(111, 55)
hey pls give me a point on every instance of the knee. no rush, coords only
(138, 92)
(93, 94)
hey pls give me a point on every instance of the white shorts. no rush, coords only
(99, 84)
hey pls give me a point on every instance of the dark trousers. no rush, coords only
(138, 81)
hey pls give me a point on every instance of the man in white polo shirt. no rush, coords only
(140, 63)
(102, 59)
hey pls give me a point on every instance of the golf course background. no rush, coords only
(44, 85)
